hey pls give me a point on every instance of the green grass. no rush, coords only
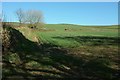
(58, 30)
(88, 52)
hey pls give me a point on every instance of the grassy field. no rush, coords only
(66, 35)
(65, 51)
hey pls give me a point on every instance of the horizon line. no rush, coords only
(79, 24)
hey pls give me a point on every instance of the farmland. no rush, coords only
(59, 40)
(56, 33)
(66, 51)
(66, 38)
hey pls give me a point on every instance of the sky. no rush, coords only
(81, 13)
(60, 0)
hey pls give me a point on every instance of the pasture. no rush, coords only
(66, 35)
(65, 51)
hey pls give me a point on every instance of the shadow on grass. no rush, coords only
(93, 40)
(48, 61)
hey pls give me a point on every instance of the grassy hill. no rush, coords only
(58, 33)
(63, 51)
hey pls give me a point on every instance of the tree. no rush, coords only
(33, 17)
(30, 17)
(20, 15)
(4, 20)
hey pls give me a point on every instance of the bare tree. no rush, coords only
(4, 20)
(33, 17)
(20, 15)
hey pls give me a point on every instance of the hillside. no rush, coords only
(62, 51)
(55, 33)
